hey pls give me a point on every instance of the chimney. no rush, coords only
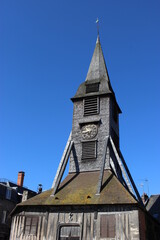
(20, 178)
(39, 188)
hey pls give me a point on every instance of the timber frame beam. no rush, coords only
(102, 167)
(130, 185)
(62, 165)
(123, 166)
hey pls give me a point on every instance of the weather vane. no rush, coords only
(97, 21)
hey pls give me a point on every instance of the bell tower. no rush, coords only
(93, 145)
(95, 117)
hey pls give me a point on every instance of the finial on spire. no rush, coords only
(97, 21)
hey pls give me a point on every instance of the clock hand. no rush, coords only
(86, 131)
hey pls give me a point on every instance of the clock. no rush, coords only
(89, 131)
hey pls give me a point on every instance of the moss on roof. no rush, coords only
(80, 189)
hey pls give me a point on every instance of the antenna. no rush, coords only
(144, 183)
(142, 186)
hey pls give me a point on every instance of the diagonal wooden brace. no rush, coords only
(120, 165)
(102, 167)
(131, 179)
(62, 165)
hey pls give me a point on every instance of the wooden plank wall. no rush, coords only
(127, 225)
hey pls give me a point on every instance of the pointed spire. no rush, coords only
(98, 40)
(97, 68)
(97, 73)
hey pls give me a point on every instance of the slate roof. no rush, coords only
(80, 189)
(16, 191)
(153, 206)
(97, 72)
(97, 68)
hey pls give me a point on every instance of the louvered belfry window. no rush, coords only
(107, 226)
(94, 87)
(91, 106)
(89, 150)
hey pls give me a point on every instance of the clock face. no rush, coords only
(89, 131)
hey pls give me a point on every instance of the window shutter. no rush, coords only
(91, 106)
(107, 226)
(103, 228)
(89, 150)
(111, 225)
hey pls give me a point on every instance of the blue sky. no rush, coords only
(45, 51)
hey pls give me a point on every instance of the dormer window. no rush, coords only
(91, 106)
(8, 193)
(94, 87)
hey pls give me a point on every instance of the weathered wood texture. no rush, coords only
(122, 225)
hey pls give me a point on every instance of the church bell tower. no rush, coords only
(95, 118)
(93, 145)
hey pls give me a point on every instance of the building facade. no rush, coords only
(98, 199)
(10, 195)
